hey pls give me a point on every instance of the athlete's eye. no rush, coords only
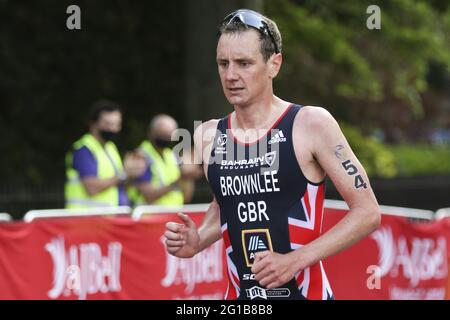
(223, 64)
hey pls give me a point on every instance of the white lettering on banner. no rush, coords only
(417, 293)
(82, 270)
(426, 260)
(249, 184)
(204, 267)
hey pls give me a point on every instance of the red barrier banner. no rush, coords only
(103, 258)
(401, 260)
(119, 258)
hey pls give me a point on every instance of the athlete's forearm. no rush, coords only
(209, 231)
(357, 223)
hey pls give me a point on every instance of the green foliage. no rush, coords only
(378, 78)
(415, 160)
(404, 160)
(376, 159)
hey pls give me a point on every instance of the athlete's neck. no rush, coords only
(258, 116)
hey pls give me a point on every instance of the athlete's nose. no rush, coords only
(231, 73)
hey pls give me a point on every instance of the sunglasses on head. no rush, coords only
(251, 19)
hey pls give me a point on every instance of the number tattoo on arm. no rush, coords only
(350, 168)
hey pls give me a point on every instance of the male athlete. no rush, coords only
(266, 163)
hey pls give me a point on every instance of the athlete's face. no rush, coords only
(244, 74)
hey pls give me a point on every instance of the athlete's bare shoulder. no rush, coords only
(312, 127)
(314, 119)
(315, 123)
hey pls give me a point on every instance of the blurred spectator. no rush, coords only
(440, 136)
(164, 181)
(95, 174)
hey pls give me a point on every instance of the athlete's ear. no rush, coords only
(275, 62)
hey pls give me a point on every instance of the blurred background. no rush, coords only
(389, 88)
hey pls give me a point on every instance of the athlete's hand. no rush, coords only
(182, 240)
(272, 269)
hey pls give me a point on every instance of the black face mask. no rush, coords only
(108, 135)
(161, 143)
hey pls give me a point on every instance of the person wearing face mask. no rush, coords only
(96, 176)
(164, 181)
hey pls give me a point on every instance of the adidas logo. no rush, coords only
(279, 137)
(256, 243)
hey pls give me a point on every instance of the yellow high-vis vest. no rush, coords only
(109, 164)
(165, 170)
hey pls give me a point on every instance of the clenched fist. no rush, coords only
(182, 239)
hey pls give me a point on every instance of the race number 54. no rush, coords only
(352, 171)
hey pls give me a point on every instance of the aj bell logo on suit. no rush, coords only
(253, 241)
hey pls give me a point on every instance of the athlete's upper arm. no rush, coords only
(203, 142)
(331, 150)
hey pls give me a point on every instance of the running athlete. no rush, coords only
(266, 163)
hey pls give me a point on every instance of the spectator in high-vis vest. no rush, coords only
(164, 181)
(95, 174)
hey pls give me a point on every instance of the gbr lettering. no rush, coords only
(252, 211)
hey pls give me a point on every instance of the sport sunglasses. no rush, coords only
(252, 19)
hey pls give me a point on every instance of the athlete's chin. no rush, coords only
(237, 100)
